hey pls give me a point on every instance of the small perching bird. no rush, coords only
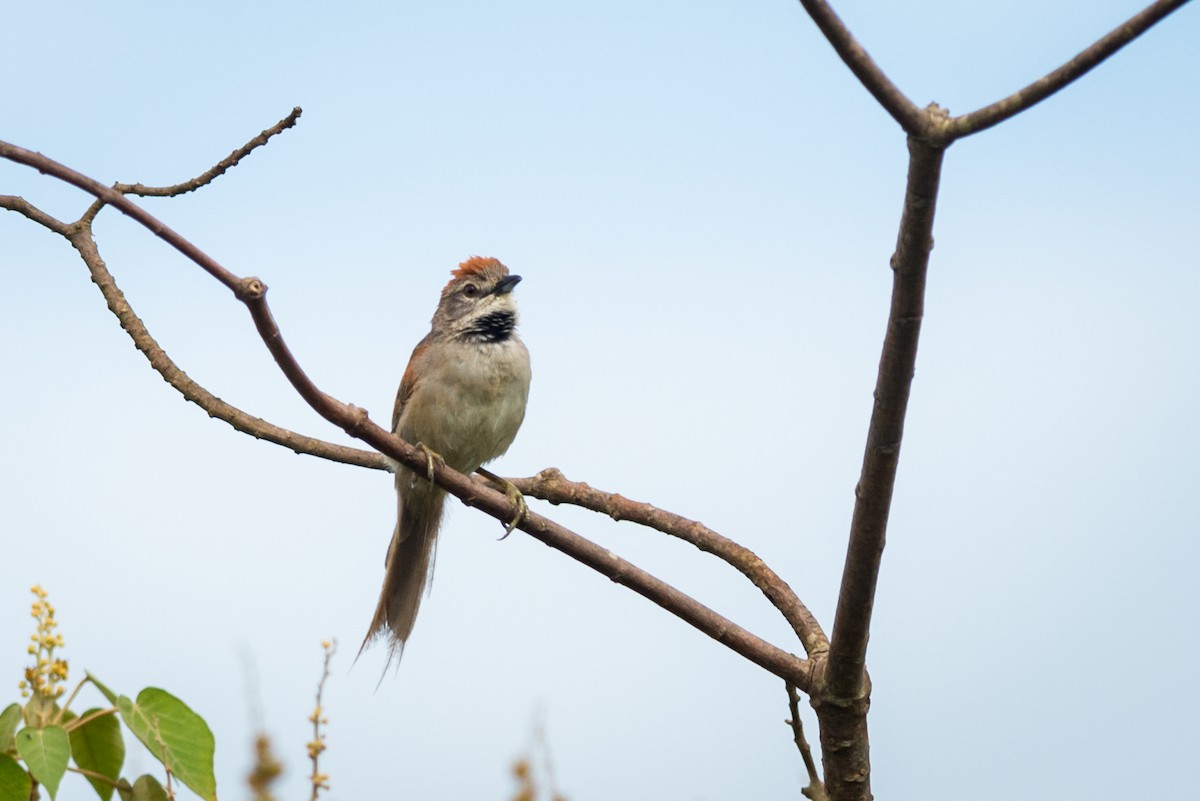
(462, 399)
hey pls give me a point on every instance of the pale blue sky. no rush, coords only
(702, 201)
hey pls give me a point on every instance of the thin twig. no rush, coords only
(22, 206)
(219, 169)
(205, 178)
(86, 719)
(91, 774)
(816, 788)
(911, 118)
(1062, 77)
(319, 780)
(62, 708)
(551, 485)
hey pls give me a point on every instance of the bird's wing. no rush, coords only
(408, 383)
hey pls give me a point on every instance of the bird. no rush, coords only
(462, 400)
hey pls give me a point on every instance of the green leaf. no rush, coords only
(109, 694)
(15, 784)
(97, 746)
(147, 788)
(175, 735)
(125, 790)
(9, 719)
(46, 753)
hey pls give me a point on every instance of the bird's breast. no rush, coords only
(470, 403)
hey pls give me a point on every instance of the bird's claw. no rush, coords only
(518, 500)
(512, 493)
(430, 457)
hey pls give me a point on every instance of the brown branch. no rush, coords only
(1062, 77)
(842, 697)
(79, 234)
(219, 169)
(22, 206)
(815, 789)
(81, 239)
(873, 495)
(477, 494)
(912, 119)
(205, 178)
(252, 292)
(118, 201)
(551, 485)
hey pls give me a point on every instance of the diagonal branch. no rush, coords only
(206, 177)
(127, 207)
(551, 485)
(252, 292)
(548, 485)
(904, 111)
(1065, 75)
(81, 238)
(218, 169)
(22, 206)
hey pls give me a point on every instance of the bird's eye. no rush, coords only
(470, 290)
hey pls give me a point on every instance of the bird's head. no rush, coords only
(477, 305)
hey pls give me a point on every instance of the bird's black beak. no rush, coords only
(506, 284)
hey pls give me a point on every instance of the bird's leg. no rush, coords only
(513, 494)
(430, 458)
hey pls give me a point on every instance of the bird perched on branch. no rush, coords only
(461, 400)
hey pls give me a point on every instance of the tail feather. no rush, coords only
(409, 565)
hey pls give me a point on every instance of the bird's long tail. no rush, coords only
(409, 566)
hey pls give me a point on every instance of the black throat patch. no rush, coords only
(495, 327)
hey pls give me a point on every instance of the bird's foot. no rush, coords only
(430, 459)
(512, 493)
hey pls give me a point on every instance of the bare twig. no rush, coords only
(1062, 77)
(22, 206)
(551, 485)
(205, 178)
(219, 169)
(316, 746)
(911, 118)
(815, 789)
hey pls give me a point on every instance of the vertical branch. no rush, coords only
(873, 495)
(842, 702)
